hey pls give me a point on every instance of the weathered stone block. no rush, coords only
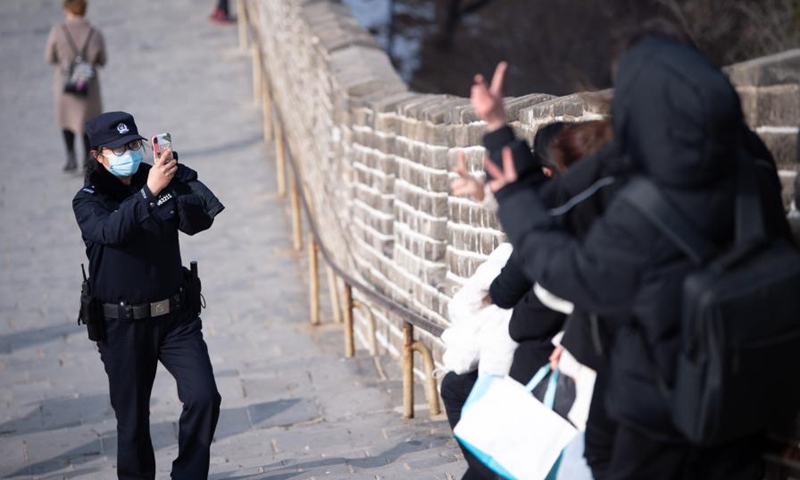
(418, 110)
(364, 136)
(387, 123)
(422, 247)
(427, 225)
(748, 96)
(442, 113)
(391, 103)
(456, 115)
(387, 164)
(515, 105)
(778, 105)
(569, 107)
(437, 134)
(384, 143)
(778, 69)
(784, 145)
(788, 187)
(363, 117)
(470, 135)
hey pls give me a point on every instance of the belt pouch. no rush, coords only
(192, 287)
(91, 314)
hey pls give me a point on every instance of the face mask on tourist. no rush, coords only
(126, 164)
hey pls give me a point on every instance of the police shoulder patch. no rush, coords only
(90, 190)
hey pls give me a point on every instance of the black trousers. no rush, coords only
(455, 390)
(641, 457)
(528, 358)
(130, 354)
(69, 143)
(600, 431)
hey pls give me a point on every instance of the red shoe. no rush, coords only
(220, 17)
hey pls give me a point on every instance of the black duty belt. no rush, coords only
(142, 310)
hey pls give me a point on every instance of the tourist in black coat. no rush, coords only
(678, 121)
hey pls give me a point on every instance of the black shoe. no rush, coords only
(71, 165)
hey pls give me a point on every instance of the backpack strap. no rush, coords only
(82, 52)
(750, 228)
(645, 196)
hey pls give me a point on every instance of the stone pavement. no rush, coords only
(292, 406)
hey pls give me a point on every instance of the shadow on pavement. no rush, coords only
(29, 338)
(60, 476)
(222, 147)
(288, 469)
(55, 413)
(162, 433)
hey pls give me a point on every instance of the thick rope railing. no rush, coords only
(249, 36)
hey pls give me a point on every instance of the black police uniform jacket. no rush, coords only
(131, 236)
(677, 120)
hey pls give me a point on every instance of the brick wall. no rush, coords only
(770, 91)
(375, 156)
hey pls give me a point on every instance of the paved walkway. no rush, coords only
(292, 407)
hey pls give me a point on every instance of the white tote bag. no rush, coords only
(573, 465)
(509, 430)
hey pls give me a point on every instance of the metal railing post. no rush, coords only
(241, 16)
(430, 381)
(313, 271)
(280, 159)
(333, 288)
(408, 370)
(266, 105)
(373, 327)
(297, 219)
(257, 89)
(349, 344)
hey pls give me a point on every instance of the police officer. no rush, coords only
(129, 214)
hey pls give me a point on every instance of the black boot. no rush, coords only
(72, 164)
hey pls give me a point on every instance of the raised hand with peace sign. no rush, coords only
(487, 100)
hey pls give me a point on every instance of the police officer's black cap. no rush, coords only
(112, 130)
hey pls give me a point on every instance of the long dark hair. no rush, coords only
(543, 143)
(579, 140)
(90, 165)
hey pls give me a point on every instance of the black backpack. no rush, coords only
(80, 72)
(739, 351)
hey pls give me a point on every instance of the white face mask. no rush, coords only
(126, 164)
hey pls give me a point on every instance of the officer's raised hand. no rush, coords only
(164, 168)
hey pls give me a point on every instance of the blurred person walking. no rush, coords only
(222, 13)
(76, 48)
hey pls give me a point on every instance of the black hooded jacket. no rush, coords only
(131, 236)
(575, 199)
(678, 121)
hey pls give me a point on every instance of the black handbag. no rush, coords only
(80, 72)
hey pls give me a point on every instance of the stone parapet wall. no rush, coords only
(375, 157)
